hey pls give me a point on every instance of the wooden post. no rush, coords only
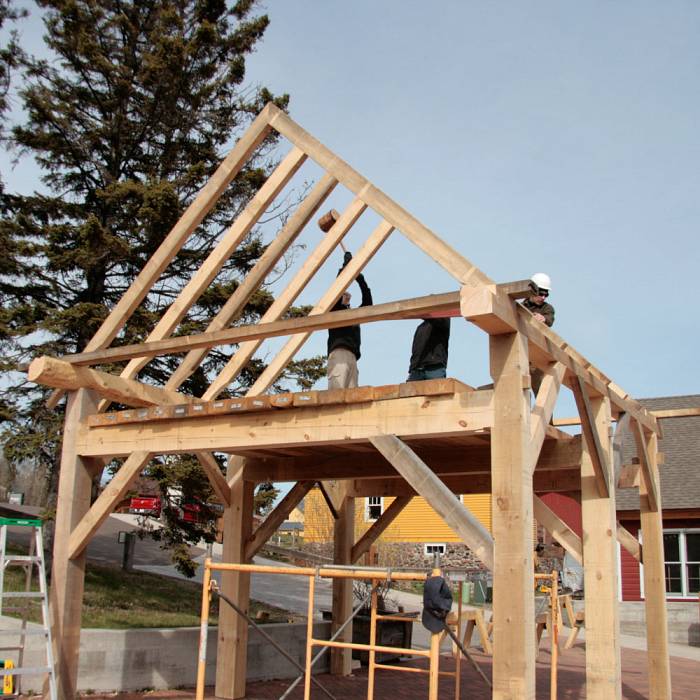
(602, 624)
(654, 582)
(511, 509)
(68, 575)
(343, 540)
(232, 644)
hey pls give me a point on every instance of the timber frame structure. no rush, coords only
(432, 438)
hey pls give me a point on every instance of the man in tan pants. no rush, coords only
(344, 343)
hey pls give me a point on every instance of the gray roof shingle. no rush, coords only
(680, 474)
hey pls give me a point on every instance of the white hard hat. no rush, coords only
(541, 281)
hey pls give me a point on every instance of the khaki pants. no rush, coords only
(342, 369)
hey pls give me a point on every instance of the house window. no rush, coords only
(682, 563)
(374, 507)
(433, 548)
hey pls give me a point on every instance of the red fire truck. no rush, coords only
(145, 505)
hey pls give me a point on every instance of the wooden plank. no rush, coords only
(654, 569)
(223, 250)
(429, 387)
(173, 242)
(449, 259)
(68, 575)
(287, 296)
(561, 481)
(603, 680)
(511, 521)
(455, 415)
(216, 478)
(274, 519)
(516, 290)
(59, 374)
(442, 500)
(325, 304)
(677, 412)
(561, 532)
(394, 310)
(234, 306)
(460, 459)
(543, 409)
(629, 542)
(495, 313)
(652, 493)
(102, 508)
(592, 438)
(362, 546)
(232, 645)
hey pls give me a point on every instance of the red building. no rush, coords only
(680, 498)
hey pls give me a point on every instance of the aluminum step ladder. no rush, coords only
(33, 564)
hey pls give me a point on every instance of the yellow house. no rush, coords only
(414, 535)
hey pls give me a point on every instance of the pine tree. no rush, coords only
(126, 126)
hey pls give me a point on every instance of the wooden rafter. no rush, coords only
(449, 259)
(168, 249)
(363, 545)
(286, 297)
(234, 306)
(60, 374)
(324, 306)
(274, 519)
(230, 241)
(590, 434)
(104, 505)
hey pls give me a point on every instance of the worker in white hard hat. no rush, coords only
(536, 304)
(540, 286)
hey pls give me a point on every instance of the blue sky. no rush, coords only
(552, 136)
(549, 136)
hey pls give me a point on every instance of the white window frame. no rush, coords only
(684, 595)
(368, 519)
(434, 544)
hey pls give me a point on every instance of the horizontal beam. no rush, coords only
(62, 375)
(559, 481)
(469, 460)
(677, 412)
(440, 416)
(495, 313)
(406, 308)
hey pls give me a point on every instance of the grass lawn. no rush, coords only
(116, 599)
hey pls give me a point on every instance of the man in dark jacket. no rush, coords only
(429, 350)
(540, 284)
(344, 343)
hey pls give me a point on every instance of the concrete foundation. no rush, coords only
(118, 660)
